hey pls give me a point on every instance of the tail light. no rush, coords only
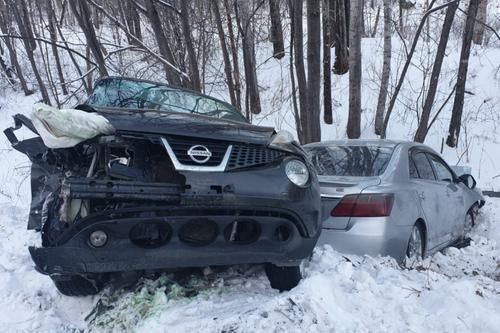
(364, 205)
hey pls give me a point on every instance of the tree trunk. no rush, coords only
(327, 76)
(165, 51)
(21, 14)
(298, 39)
(458, 103)
(186, 31)
(276, 29)
(244, 16)
(478, 27)
(4, 18)
(84, 17)
(340, 36)
(436, 71)
(399, 84)
(313, 70)
(296, 113)
(225, 53)
(354, 120)
(386, 68)
(133, 20)
(234, 55)
(53, 37)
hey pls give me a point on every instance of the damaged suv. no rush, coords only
(145, 177)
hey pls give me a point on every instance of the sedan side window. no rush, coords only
(413, 168)
(423, 166)
(442, 171)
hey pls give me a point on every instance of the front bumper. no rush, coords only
(74, 255)
(369, 236)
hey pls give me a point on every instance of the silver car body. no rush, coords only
(441, 206)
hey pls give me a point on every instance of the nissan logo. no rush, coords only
(199, 154)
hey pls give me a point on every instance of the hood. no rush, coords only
(192, 125)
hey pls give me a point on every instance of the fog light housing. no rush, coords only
(297, 172)
(98, 238)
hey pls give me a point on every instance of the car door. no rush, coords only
(430, 194)
(453, 202)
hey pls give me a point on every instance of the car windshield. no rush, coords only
(350, 161)
(132, 94)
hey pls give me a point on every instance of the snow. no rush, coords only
(456, 290)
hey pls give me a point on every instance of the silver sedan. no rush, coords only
(391, 198)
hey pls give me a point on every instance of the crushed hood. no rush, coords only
(170, 123)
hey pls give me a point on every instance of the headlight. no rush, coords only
(297, 172)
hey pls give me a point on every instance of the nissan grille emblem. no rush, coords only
(199, 154)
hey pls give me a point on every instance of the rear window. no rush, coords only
(350, 161)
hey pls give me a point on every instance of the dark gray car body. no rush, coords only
(162, 193)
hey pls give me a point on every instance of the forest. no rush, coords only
(58, 48)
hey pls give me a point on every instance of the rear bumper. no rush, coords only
(74, 254)
(369, 236)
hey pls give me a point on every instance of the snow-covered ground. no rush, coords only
(457, 290)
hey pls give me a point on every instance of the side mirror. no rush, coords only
(468, 180)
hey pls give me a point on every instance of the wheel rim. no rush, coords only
(415, 250)
(469, 222)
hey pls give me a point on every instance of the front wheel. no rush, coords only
(283, 278)
(470, 220)
(415, 249)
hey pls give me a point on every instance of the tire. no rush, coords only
(76, 285)
(470, 220)
(416, 244)
(283, 278)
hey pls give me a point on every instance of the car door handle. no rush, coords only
(421, 195)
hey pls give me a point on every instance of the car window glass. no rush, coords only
(423, 166)
(131, 94)
(350, 161)
(413, 169)
(442, 172)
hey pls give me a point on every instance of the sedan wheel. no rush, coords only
(415, 250)
(469, 220)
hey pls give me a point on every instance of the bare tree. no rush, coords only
(327, 76)
(225, 53)
(234, 54)
(244, 15)
(458, 103)
(409, 57)
(161, 39)
(479, 28)
(313, 70)
(298, 42)
(386, 68)
(355, 34)
(193, 62)
(84, 17)
(24, 25)
(5, 17)
(52, 21)
(423, 127)
(296, 112)
(276, 35)
(340, 36)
